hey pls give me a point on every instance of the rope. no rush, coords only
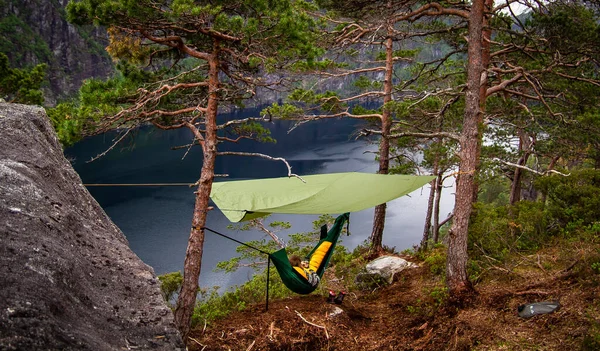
(142, 184)
(237, 241)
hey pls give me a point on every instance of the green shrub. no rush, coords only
(531, 221)
(596, 267)
(573, 199)
(211, 305)
(21, 85)
(433, 298)
(439, 294)
(495, 191)
(496, 231)
(591, 341)
(474, 270)
(488, 231)
(170, 283)
(435, 259)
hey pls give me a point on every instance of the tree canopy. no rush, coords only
(180, 61)
(21, 85)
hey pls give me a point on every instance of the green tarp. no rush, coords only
(321, 194)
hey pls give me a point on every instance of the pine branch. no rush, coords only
(529, 169)
(256, 154)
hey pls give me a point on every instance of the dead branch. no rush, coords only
(539, 264)
(256, 154)
(432, 135)
(271, 329)
(348, 73)
(502, 86)
(114, 144)
(587, 80)
(446, 220)
(313, 324)
(356, 97)
(307, 118)
(197, 134)
(177, 42)
(197, 342)
(505, 5)
(189, 148)
(529, 169)
(270, 233)
(530, 292)
(242, 121)
(431, 9)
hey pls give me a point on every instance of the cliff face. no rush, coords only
(36, 31)
(67, 275)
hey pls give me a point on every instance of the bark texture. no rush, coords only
(456, 267)
(525, 145)
(384, 145)
(428, 216)
(193, 256)
(439, 185)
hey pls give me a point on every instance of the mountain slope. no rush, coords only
(36, 31)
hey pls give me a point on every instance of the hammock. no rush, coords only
(295, 278)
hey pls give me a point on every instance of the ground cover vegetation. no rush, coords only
(500, 101)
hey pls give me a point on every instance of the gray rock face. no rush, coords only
(68, 280)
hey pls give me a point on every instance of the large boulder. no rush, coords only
(68, 278)
(381, 271)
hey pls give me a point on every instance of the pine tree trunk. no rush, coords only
(430, 205)
(456, 265)
(384, 145)
(439, 183)
(428, 217)
(485, 62)
(378, 224)
(193, 256)
(525, 150)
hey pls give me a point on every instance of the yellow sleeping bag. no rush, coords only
(316, 258)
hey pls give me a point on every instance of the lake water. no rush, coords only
(156, 220)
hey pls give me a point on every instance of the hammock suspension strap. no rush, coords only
(237, 241)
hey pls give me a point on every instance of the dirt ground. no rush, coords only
(407, 315)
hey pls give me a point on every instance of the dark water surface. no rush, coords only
(156, 220)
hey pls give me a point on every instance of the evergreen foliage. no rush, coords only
(574, 199)
(170, 283)
(21, 85)
(186, 60)
(243, 28)
(18, 39)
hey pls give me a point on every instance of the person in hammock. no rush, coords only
(312, 276)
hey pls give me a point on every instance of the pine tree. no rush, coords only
(181, 60)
